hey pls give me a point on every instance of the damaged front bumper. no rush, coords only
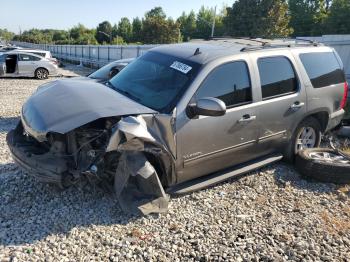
(42, 164)
(131, 152)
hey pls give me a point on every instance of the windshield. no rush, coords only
(103, 72)
(156, 80)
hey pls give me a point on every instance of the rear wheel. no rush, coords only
(41, 73)
(307, 135)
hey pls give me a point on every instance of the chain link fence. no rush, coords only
(92, 55)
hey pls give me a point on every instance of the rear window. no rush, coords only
(323, 69)
(277, 77)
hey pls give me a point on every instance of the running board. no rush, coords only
(213, 179)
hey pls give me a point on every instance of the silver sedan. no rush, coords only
(23, 64)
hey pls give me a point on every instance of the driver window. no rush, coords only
(228, 82)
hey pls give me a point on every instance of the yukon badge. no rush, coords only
(193, 155)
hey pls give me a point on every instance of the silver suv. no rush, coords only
(198, 112)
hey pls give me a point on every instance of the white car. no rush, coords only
(22, 64)
(42, 53)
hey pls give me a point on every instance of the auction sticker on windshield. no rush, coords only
(181, 67)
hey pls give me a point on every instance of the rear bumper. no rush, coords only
(53, 72)
(335, 119)
(44, 167)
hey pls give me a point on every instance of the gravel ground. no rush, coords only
(270, 215)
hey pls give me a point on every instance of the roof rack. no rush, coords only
(306, 40)
(227, 39)
(267, 45)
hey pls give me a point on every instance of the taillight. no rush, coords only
(345, 96)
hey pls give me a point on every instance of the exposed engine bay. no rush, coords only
(117, 151)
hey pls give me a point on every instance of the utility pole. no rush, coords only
(213, 24)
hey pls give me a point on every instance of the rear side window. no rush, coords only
(229, 82)
(23, 57)
(277, 77)
(323, 69)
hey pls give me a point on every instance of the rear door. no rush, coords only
(325, 81)
(283, 99)
(27, 64)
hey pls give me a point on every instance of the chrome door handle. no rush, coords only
(297, 105)
(247, 118)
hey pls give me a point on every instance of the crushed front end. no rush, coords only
(62, 159)
(125, 153)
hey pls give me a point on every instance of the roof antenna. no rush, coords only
(197, 52)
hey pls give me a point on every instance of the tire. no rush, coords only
(291, 150)
(321, 170)
(41, 73)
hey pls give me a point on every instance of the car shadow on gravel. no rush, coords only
(8, 123)
(5, 168)
(16, 78)
(32, 211)
(286, 175)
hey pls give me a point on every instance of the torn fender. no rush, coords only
(137, 183)
(152, 134)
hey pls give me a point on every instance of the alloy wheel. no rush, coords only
(306, 138)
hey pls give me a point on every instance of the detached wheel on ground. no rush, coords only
(41, 73)
(307, 135)
(323, 164)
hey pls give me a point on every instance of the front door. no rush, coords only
(208, 144)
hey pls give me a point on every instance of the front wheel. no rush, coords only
(307, 135)
(41, 73)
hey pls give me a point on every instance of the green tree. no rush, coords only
(35, 36)
(136, 30)
(156, 12)
(60, 36)
(187, 25)
(156, 29)
(338, 21)
(80, 35)
(258, 18)
(204, 21)
(308, 16)
(276, 22)
(6, 35)
(104, 32)
(242, 18)
(125, 29)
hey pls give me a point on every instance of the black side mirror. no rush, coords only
(208, 106)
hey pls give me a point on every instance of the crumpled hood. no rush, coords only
(61, 106)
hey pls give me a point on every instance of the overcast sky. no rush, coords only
(64, 14)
